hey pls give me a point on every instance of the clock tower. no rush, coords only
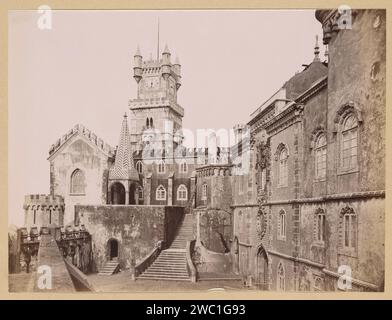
(155, 113)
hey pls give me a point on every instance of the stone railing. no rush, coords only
(190, 246)
(148, 260)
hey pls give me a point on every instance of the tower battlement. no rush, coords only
(43, 210)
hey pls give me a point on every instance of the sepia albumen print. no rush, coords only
(197, 150)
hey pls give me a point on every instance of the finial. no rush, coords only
(166, 49)
(316, 50)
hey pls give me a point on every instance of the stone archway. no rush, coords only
(117, 191)
(262, 271)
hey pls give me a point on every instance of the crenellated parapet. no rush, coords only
(43, 210)
(82, 130)
(214, 170)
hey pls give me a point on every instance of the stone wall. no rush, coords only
(49, 255)
(137, 229)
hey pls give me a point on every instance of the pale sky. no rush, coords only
(81, 72)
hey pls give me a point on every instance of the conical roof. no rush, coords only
(123, 168)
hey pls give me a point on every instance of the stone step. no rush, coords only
(160, 278)
(163, 276)
(164, 260)
(171, 272)
(167, 268)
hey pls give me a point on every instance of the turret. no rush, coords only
(138, 62)
(166, 65)
(177, 71)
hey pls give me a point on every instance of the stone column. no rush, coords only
(192, 192)
(109, 199)
(147, 189)
(170, 190)
(126, 185)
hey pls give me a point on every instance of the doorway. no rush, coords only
(113, 249)
(262, 269)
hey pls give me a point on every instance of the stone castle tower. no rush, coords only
(155, 113)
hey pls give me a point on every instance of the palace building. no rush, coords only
(297, 201)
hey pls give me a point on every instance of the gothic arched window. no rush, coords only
(183, 167)
(182, 192)
(281, 283)
(161, 166)
(140, 193)
(349, 228)
(77, 182)
(282, 225)
(349, 143)
(139, 166)
(204, 192)
(283, 171)
(160, 193)
(319, 226)
(321, 156)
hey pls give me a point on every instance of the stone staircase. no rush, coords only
(171, 263)
(110, 267)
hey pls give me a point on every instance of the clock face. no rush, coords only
(151, 83)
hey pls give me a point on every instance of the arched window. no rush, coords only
(183, 167)
(140, 193)
(349, 144)
(282, 225)
(139, 166)
(182, 192)
(204, 191)
(160, 193)
(321, 157)
(349, 228)
(319, 226)
(283, 178)
(161, 166)
(77, 182)
(147, 123)
(151, 123)
(281, 283)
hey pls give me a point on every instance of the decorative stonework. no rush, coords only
(263, 156)
(261, 223)
(344, 111)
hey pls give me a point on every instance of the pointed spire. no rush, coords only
(177, 61)
(123, 165)
(316, 50)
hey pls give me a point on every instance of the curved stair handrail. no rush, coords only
(190, 245)
(149, 259)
